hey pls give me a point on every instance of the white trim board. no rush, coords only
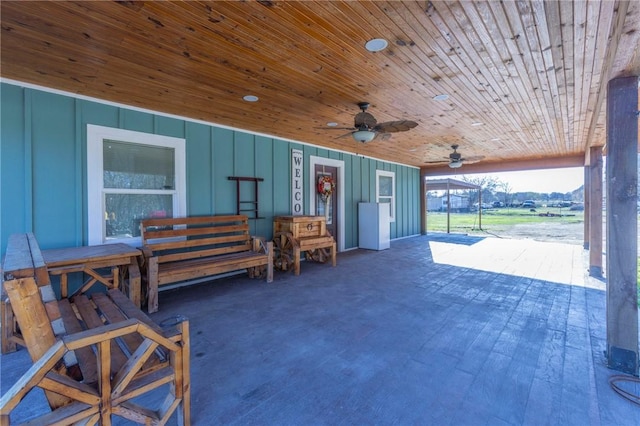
(339, 164)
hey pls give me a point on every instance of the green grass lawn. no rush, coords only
(499, 219)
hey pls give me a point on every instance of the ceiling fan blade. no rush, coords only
(472, 159)
(364, 119)
(346, 134)
(395, 126)
(335, 128)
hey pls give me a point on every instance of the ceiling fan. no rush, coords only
(456, 160)
(366, 127)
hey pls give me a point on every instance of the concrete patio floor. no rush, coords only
(438, 330)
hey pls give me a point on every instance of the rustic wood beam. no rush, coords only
(587, 207)
(507, 166)
(622, 225)
(423, 205)
(595, 211)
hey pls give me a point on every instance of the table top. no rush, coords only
(75, 255)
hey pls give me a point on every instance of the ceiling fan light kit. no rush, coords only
(363, 136)
(455, 164)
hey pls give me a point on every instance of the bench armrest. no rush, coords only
(259, 244)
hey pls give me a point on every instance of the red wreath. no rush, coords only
(326, 185)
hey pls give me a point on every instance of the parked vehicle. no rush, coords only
(577, 207)
(529, 204)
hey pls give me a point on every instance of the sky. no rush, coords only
(545, 181)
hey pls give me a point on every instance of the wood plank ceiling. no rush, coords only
(525, 80)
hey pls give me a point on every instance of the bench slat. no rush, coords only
(113, 315)
(131, 311)
(199, 242)
(194, 220)
(199, 254)
(221, 259)
(92, 320)
(86, 358)
(151, 234)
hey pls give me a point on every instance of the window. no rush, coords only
(385, 191)
(132, 176)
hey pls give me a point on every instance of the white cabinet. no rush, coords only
(374, 229)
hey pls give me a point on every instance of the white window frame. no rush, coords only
(96, 135)
(392, 207)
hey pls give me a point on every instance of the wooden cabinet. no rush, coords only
(295, 234)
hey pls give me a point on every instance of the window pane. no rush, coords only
(124, 212)
(386, 186)
(321, 208)
(137, 166)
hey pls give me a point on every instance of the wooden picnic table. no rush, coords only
(94, 261)
(93, 357)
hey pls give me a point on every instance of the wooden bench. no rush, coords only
(293, 235)
(92, 356)
(183, 249)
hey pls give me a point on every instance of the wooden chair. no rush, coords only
(92, 355)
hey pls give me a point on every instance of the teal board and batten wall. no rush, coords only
(43, 168)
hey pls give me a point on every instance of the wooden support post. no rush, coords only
(448, 208)
(480, 208)
(423, 205)
(587, 207)
(595, 212)
(622, 225)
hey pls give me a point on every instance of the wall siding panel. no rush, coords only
(264, 170)
(44, 135)
(199, 170)
(13, 173)
(169, 127)
(224, 201)
(53, 165)
(137, 121)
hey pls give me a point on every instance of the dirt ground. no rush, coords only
(556, 231)
(569, 233)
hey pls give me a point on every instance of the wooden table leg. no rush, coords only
(8, 326)
(135, 283)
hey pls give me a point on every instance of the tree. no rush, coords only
(506, 189)
(487, 185)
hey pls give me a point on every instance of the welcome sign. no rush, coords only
(296, 182)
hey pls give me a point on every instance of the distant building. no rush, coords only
(459, 203)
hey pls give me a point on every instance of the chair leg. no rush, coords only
(152, 290)
(184, 415)
(333, 254)
(296, 260)
(7, 326)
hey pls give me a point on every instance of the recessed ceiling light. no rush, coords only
(495, 139)
(477, 123)
(376, 45)
(332, 124)
(250, 98)
(441, 97)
